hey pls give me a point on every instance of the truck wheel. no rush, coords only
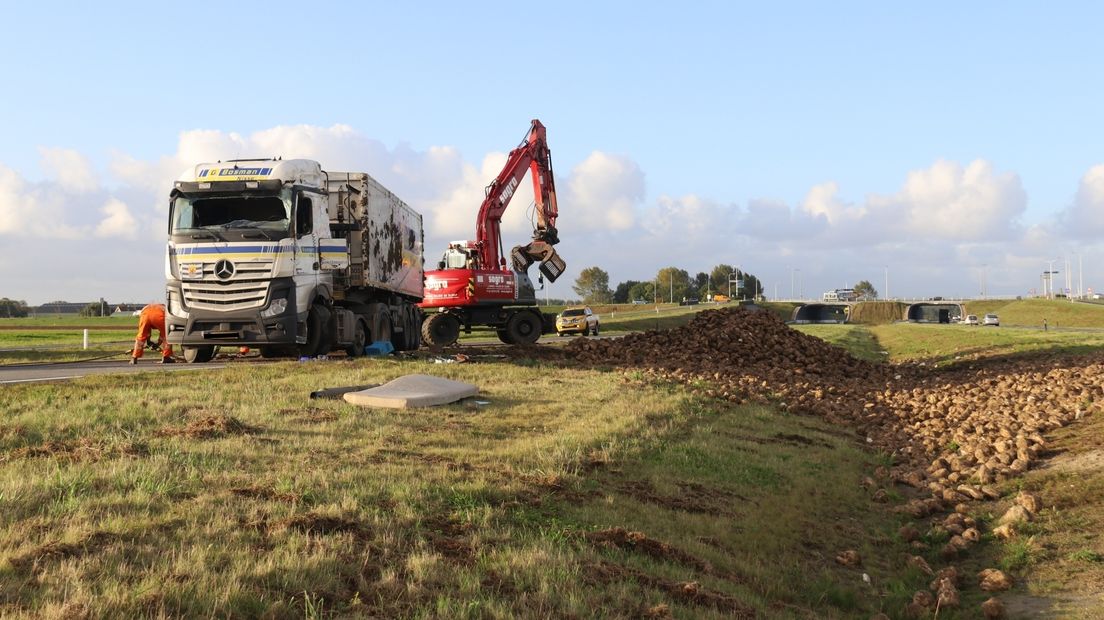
(270, 352)
(315, 326)
(328, 332)
(382, 330)
(594, 332)
(440, 330)
(199, 355)
(504, 335)
(360, 339)
(524, 327)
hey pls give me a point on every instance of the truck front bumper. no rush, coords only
(233, 328)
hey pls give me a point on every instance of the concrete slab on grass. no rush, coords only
(413, 391)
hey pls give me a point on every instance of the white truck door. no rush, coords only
(307, 257)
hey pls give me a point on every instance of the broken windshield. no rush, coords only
(218, 213)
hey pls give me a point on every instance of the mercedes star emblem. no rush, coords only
(224, 270)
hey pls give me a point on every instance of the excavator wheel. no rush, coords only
(440, 330)
(523, 327)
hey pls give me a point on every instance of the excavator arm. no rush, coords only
(532, 156)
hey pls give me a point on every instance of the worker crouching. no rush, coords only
(152, 317)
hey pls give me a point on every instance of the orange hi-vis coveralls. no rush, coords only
(153, 317)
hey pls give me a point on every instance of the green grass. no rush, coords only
(856, 339)
(944, 344)
(70, 321)
(1031, 312)
(312, 508)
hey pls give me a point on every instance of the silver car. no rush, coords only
(991, 319)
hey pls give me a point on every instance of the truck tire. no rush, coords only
(199, 355)
(524, 327)
(274, 351)
(405, 340)
(360, 338)
(315, 327)
(440, 330)
(381, 329)
(504, 335)
(329, 330)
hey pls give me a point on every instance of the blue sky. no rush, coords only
(708, 108)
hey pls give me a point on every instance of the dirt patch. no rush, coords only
(79, 450)
(309, 415)
(690, 592)
(801, 440)
(267, 493)
(209, 427)
(321, 525)
(33, 559)
(693, 498)
(1092, 460)
(638, 542)
(449, 538)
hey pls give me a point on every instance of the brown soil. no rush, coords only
(620, 538)
(309, 415)
(266, 494)
(79, 450)
(692, 497)
(209, 427)
(32, 560)
(690, 592)
(324, 525)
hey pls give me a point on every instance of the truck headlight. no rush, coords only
(278, 306)
(175, 307)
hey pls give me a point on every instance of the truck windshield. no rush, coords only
(267, 213)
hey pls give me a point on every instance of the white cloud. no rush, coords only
(71, 170)
(1084, 219)
(943, 224)
(603, 192)
(117, 222)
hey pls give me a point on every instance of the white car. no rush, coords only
(971, 319)
(991, 319)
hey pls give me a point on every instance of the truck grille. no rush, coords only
(247, 288)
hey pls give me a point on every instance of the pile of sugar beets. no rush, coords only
(953, 432)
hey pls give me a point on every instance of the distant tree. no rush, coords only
(673, 284)
(593, 286)
(865, 290)
(621, 293)
(95, 308)
(718, 279)
(12, 309)
(642, 290)
(699, 286)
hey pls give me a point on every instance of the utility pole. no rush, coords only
(791, 283)
(1080, 277)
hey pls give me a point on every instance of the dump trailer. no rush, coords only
(286, 257)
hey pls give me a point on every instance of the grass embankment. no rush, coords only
(943, 344)
(1031, 312)
(877, 312)
(144, 495)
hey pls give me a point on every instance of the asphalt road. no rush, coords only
(30, 373)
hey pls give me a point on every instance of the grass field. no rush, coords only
(141, 495)
(1031, 312)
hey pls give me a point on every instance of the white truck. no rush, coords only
(286, 257)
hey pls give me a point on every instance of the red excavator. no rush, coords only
(472, 285)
